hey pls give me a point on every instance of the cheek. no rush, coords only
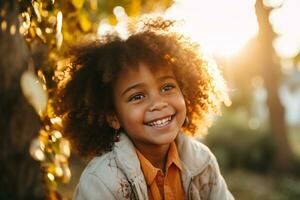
(180, 104)
(131, 116)
(182, 110)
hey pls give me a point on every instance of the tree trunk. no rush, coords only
(272, 75)
(20, 175)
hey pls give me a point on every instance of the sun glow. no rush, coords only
(285, 23)
(224, 27)
(221, 27)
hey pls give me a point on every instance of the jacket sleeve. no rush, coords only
(91, 187)
(219, 190)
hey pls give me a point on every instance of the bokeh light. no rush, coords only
(224, 27)
(284, 22)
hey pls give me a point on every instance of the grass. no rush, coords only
(294, 139)
(247, 185)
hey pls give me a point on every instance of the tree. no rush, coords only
(19, 124)
(272, 74)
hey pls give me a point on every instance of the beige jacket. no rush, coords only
(118, 175)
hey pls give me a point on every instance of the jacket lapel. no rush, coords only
(192, 153)
(128, 161)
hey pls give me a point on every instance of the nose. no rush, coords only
(158, 103)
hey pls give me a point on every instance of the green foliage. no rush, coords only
(242, 152)
(289, 188)
(236, 145)
(247, 185)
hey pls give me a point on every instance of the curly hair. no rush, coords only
(85, 96)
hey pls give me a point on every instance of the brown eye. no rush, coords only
(136, 97)
(167, 87)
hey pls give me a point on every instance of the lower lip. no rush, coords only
(165, 126)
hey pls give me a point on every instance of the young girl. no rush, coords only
(129, 104)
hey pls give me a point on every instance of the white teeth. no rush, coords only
(161, 122)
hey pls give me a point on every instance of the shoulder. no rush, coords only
(207, 179)
(102, 175)
(193, 153)
(101, 163)
(106, 169)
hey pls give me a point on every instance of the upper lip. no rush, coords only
(159, 118)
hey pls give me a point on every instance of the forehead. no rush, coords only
(142, 74)
(143, 68)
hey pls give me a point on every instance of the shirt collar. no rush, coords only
(150, 171)
(173, 156)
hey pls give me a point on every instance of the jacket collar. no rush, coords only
(128, 162)
(193, 154)
(126, 157)
(194, 157)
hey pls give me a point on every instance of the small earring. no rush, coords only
(186, 121)
(117, 135)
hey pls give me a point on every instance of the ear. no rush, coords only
(113, 121)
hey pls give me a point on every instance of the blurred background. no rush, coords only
(255, 43)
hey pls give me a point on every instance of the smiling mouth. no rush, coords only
(161, 122)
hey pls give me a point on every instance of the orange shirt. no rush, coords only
(160, 186)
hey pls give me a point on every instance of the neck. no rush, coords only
(157, 155)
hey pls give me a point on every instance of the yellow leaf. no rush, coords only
(68, 37)
(77, 3)
(112, 19)
(93, 5)
(135, 8)
(84, 22)
(167, 3)
(32, 33)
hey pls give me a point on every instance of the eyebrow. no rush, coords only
(132, 87)
(166, 77)
(142, 84)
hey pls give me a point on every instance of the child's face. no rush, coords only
(149, 105)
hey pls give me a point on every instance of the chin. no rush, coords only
(166, 139)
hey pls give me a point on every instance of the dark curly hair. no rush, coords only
(85, 94)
